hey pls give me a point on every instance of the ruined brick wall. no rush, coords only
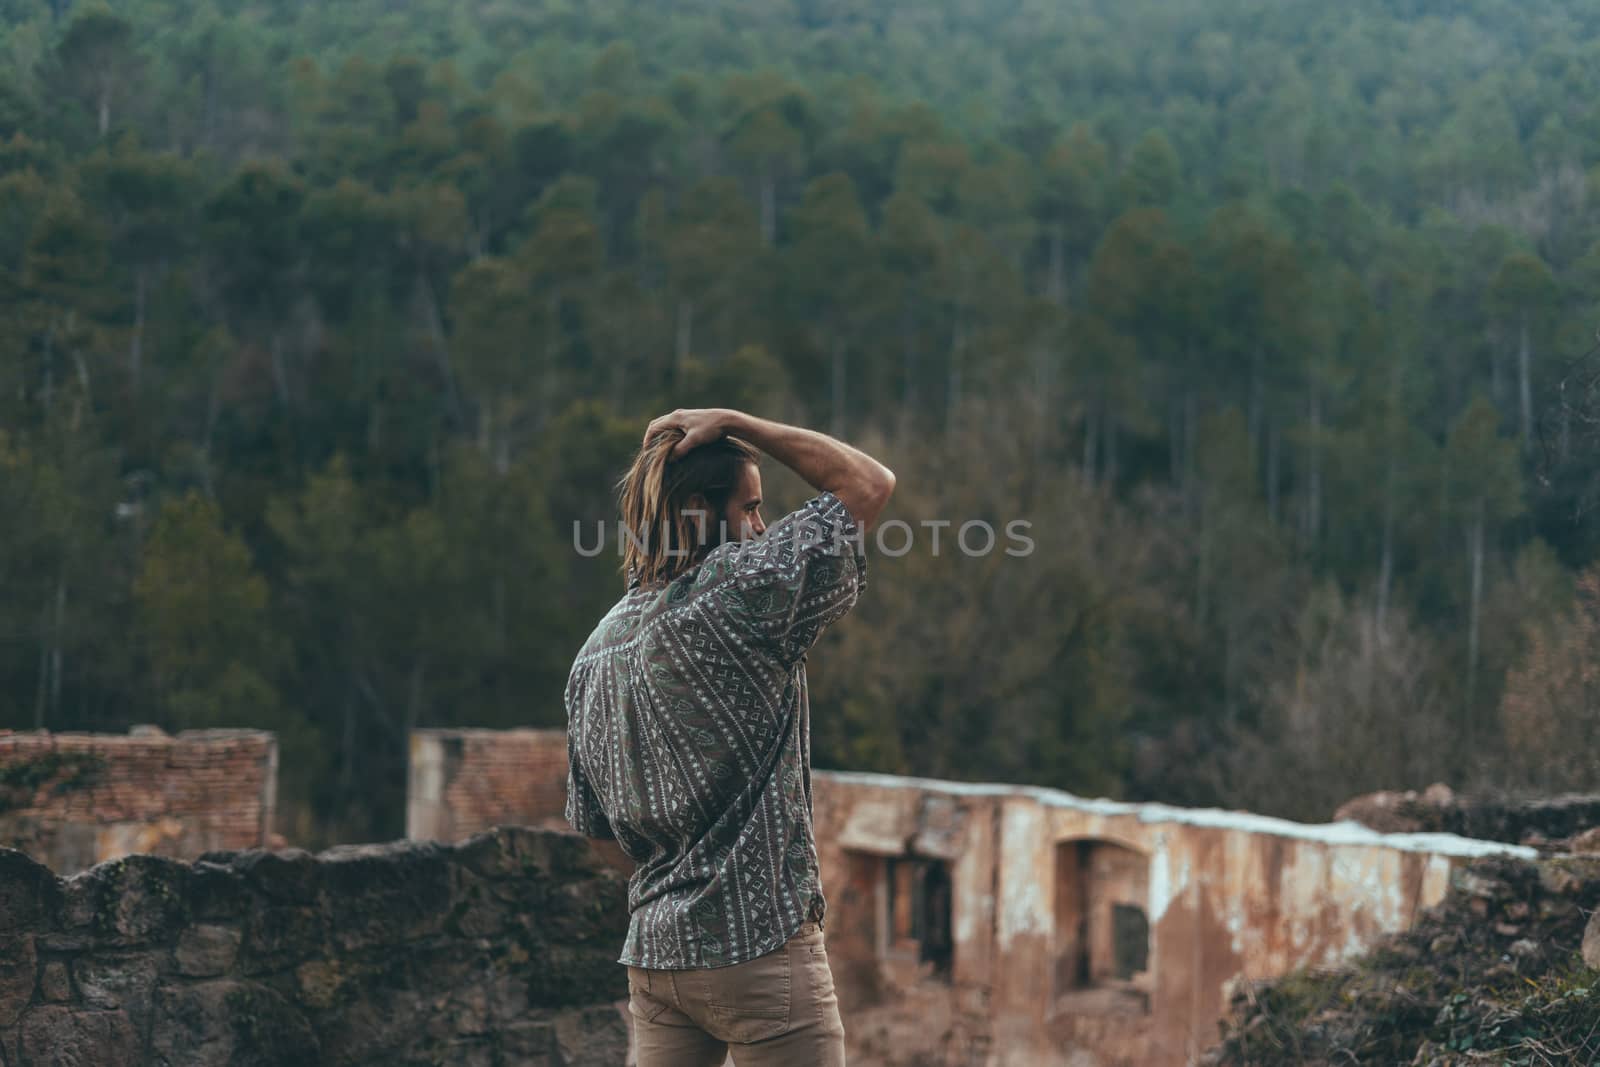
(1074, 932)
(465, 781)
(496, 951)
(1040, 883)
(71, 800)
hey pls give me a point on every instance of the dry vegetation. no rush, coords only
(1493, 975)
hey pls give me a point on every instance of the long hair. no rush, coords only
(660, 540)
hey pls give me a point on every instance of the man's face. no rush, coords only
(741, 519)
(743, 516)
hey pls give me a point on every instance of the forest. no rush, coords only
(323, 325)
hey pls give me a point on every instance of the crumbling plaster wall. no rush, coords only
(1231, 896)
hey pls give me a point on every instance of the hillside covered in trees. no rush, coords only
(322, 324)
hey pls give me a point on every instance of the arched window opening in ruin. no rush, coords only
(914, 918)
(1102, 941)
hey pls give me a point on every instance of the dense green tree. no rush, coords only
(97, 64)
(203, 611)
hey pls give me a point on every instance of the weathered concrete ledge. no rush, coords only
(498, 951)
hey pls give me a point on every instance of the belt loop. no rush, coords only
(672, 980)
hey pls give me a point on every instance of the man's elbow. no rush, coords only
(876, 496)
(885, 488)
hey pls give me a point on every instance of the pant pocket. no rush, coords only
(641, 1004)
(751, 1002)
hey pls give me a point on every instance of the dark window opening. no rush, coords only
(1102, 940)
(917, 912)
(1130, 941)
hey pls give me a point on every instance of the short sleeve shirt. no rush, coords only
(689, 740)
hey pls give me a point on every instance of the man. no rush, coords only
(688, 735)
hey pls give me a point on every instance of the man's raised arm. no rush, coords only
(860, 482)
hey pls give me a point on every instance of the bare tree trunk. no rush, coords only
(1110, 424)
(1386, 561)
(46, 640)
(1314, 475)
(347, 760)
(280, 377)
(435, 475)
(105, 107)
(56, 654)
(136, 342)
(1444, 500)
(502, 436)
(840, 374)
(1091, 438)
(419, 670)
(1202, 570)
(953, 385)
(1043, 424)
(499, 595)
(1257, 408)
(1191, 433)
(85, 382)
(1475, 547)
(50, 364)
(1496, 380)
(213, 412)
(441, 348)
(53, 701)
(1175, 438)
(769, 207)
(1230, 669)
(1272, 472)
(1056, 287)
(908, 394)
(208, 123)
(486, 428)
(1525, 383)
(375, 427)
(685, 335)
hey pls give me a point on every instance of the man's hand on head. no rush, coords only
(699, 426)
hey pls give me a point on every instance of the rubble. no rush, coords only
(1501, 971)
(1553, 825)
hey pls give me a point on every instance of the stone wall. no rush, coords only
(71, 800)
(496, 951)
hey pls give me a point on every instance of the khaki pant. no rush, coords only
(778, 1010)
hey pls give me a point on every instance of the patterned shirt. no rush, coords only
(689, 740)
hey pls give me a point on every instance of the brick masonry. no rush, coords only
(71, 800)
(465, 781)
